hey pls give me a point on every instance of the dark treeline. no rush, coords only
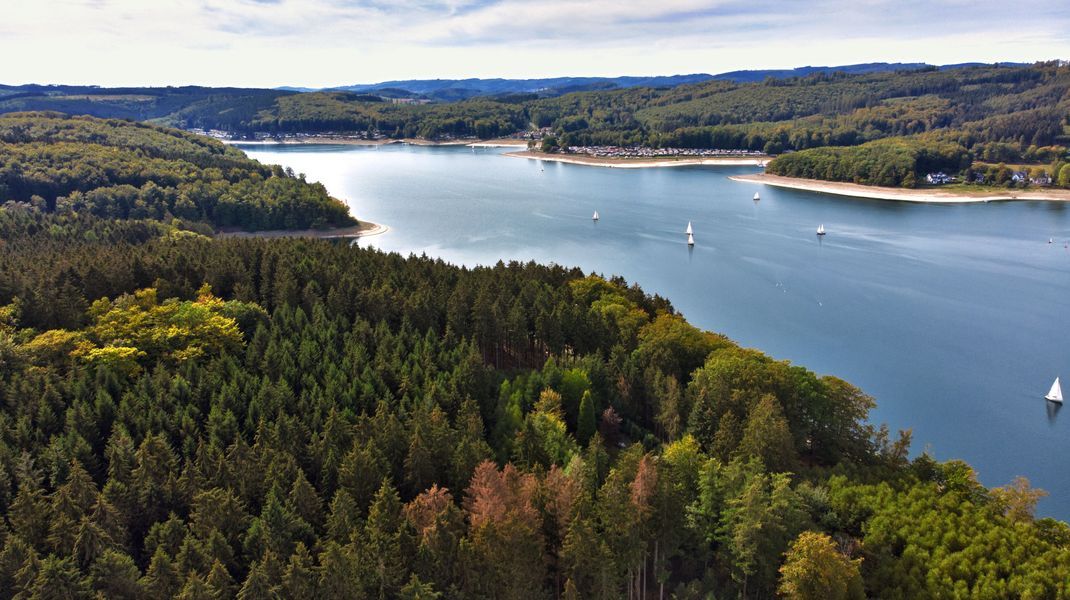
(119, 169)
(195, 418)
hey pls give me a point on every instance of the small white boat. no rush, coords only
(1055, 394)
(595, 217)
(689, 230)
(821, 229)
(757, 197)
(690, 239)
(1051, 240)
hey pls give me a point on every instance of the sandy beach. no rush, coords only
(637, 163)
(339, 141)
(903, 194)
(364, 229)
(502, 143)
(345, 141)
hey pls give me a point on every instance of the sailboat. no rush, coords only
(595, 217)
(690, 239)
(1055, 394)
(757, 197)
(821, 229)
(1051, 240)
(689, 230)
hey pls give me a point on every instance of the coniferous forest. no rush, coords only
(189, 417)
(120, 169)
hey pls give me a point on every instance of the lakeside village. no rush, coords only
(1018, 178)
(668, 152)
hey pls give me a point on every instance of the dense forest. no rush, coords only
(195, 418)
(120, 169)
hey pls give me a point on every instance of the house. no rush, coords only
(1019, 177)
(978, 177)
(939, 178)
(1041, 180)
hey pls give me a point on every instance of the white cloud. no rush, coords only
(329, 42)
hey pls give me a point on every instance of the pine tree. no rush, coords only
(161, 580)
(361, 472)
(471, 447)
(344, 519)
(299, 580)
(338, 572)
(195, 589)
(58, 579)
(114, 575)
(767, 436)
(220, 582)
(418, 590)
(304, 501)
(585, 424)
(385, 544)
(256, 586)
(91, 541)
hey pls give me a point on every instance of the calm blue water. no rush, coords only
(953, 317)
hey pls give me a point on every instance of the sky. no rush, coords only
(322, 43)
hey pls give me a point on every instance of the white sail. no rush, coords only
(595, 217)
(1055, 394)
(689, 230)
(821, 229)
(756, 196)
(690, 239)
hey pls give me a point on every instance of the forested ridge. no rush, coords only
(120, 169)
(196, 418)
(884, 128)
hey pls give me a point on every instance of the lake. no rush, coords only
(954, 317)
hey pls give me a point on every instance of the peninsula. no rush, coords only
(953, 195)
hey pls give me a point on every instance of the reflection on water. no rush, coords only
(952, 316)
(1053, 410)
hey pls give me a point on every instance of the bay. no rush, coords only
(954, 317)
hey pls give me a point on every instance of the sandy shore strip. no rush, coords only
(345, 141)
(326, 141)
(364, 229)
(502, 143)
(903, 194)
(639, 163)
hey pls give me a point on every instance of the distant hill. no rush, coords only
(752, 76)
(449, 90)
(453, 90)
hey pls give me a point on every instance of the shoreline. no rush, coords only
(363, 229)
(499, 143)
(344, 141)
(639, 163)
(929, 196)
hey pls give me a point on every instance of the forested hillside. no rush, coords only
(119, 169)
(196, 418)
(998, 114)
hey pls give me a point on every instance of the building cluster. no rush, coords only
(939, 178)
(1022, 178)
(645, 152)
(1017, 177)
